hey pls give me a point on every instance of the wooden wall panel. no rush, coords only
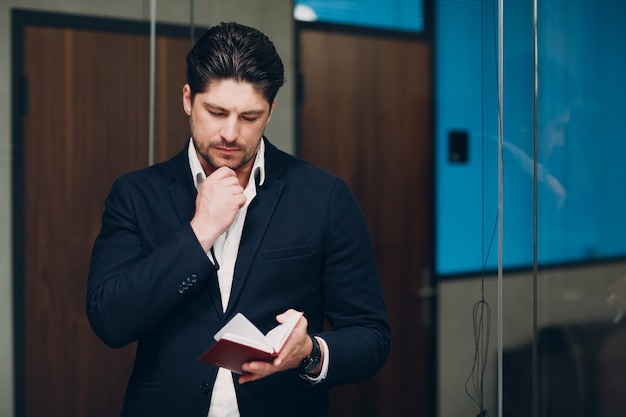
(87, 123)
(171, 122)
(366, 116)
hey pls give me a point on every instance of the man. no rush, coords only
(231, 224)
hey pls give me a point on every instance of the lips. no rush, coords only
(227, 150)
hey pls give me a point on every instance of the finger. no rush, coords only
(282, 316)
(255, 370)
(242, 200)
(223, 172)
(225, 181)
(285, 315)
(248, 378)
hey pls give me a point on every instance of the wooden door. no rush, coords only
(365, 114)
(85, 122)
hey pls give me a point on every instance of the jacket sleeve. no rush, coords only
(139, 272)
(359, 342)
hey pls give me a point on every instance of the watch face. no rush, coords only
(312, 365)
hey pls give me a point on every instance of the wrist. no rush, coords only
(204, 235)
(311, 365)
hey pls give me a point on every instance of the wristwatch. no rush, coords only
(311, 362)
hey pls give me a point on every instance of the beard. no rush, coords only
(214, 158)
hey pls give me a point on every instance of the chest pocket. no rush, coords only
(293, 252)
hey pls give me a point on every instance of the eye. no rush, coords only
(250, 118)
(217, 113)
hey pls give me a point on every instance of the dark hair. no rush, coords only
(236, 52)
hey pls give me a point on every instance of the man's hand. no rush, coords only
(296, 348)
(219, 199)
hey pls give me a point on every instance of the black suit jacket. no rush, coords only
(304, 245)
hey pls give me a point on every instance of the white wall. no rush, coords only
(273, 18)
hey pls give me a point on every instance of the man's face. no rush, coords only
(227, 121)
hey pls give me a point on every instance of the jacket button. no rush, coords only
(205, 388)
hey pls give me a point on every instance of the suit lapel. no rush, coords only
(182, 191)
(260, 213)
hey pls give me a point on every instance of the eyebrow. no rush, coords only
(247, 112)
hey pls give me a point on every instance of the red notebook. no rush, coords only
(240, 341)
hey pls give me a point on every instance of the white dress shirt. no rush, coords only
(226, 248)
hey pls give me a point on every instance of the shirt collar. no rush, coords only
(257, 175)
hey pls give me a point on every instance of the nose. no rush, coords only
(230, 129)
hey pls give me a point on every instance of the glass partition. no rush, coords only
(548, 132)
(579, 359)
(564, 203)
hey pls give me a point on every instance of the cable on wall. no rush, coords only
(481, 315)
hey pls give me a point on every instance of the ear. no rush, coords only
(187, 99)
